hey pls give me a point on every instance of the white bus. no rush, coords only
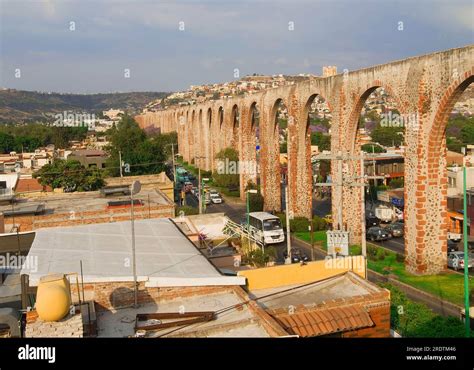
(266, 227)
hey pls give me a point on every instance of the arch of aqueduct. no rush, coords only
(426, 87)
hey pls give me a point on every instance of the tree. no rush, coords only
(70, 175)
(467, 134)
(7, 143)
(321, 140)
(255, 199)
(141, 154)
(372, 148)
(227, 173)
(387, 136)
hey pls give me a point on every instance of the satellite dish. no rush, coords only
(136, 187)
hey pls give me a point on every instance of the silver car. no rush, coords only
(456, 260)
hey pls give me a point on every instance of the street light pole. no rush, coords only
(288, 231)
(467, 309)
(120, 160)
(136, 187)
(199, 190)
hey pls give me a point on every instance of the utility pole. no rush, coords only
(198, 159)
(199, 190)
(362, 210)
(340, 181)
(174, 165)
(120, 160)
(135, 189)
(467, 309)
(288, 231)
(350, 182)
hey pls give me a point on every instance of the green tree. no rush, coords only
(321, 140)
(467, 134)
(387, 136)
(7, 142)
(255, 200)
(373, 148)
(227, 174)
(71, 175)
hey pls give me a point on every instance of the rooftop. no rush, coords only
(234, 317)
(165, 256)
(348, 285)
(333, 305)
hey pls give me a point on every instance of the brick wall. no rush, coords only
(114, 295)
(33, 222)
(380, 315)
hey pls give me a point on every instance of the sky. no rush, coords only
(97, 46)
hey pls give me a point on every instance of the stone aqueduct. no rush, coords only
(426, 86)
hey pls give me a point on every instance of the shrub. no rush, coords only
(187, 211)
(412, 319)
(380, 254)
(371, 251)
(400, 258)
(319, 223)
(299, 224)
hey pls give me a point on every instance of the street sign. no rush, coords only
(338, 242)
(257, 147)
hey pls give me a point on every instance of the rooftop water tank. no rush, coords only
(53, 297)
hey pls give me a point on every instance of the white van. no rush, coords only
(266, 227)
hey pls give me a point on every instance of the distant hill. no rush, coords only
(17, 106)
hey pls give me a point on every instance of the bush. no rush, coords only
(319, 223)
(259, 258)
(380, 254)
(371, 252)
(400, 258)
(299, 224)
(187, 211)
(412, 319)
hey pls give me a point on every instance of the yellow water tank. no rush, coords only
(53, 297)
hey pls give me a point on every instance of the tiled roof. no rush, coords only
(312, 323)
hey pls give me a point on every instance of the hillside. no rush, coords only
(17, 106)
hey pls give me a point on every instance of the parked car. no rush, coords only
(395, 229)
(376, 233)
(296, 256)
(215, 198)
(371, 221)
(452, 246)
(456, 237)
(456, 260)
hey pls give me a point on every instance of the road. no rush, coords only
(235, 209)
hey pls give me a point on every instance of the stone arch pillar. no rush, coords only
(270, 157)
(247, 153)
(299, 158)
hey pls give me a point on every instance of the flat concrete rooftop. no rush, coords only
(233, 322)
(83, 201)
(345, 286)
(164, 255)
